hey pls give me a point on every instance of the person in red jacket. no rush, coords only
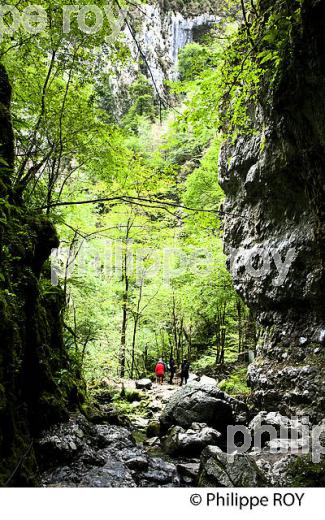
(160, 371)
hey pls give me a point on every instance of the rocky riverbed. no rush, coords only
(180, 440)
(80, 453)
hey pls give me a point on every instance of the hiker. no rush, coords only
(185, 372)
(160, 370)
(172, 369)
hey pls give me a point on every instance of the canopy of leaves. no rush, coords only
(135, 195)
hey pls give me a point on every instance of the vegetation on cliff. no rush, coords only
(134, 200)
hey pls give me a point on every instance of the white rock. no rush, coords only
(143, 384)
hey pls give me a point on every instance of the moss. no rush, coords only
(153, 429)
(236, 384)
(53, 408)
(21, 466)
(139, 437)
(32, 352)
(123, 404)
(133, 395)
(302, 472)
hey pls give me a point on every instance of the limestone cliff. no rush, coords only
(274, 183)
(154, 34)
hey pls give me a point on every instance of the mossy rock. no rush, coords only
(153, 429)
(33, 395)
(133, 395)
(303, 472)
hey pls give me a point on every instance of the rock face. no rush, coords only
(218, 470)
(281, 426)
(190, 442)
(201, 403)
(161, 30)
(189, 472)
(78, 454)
(204, 380)
(163, 33)
(278, 451)
(31, 345)
(274, 184)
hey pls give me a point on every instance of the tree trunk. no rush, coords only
(125, 279)
(135, 329)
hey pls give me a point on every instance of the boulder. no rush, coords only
(137, 463)
(156, 406)
(189, 472)
(159, 474)
(152, 442)
(190, 442)
(153, 429)
(101, 456)
(106, 414)
(276, 430)
(134, 458)
(115, 437)
(205, 380)
(140, 423)
(291, 470)
(58, 449)
(143, 384)
(274, 419)
(193, 377)
(64, 442)
(287, 446)
(218, 469)
(114, 474)
(92, 457)
(201, 403)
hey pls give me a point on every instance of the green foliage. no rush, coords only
(236, 383)
(142, 103)
(204, 362)
(224, 94)
(132, 396)
(161, 182)
(123, 403)
(192, 61)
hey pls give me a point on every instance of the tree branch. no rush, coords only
(126, 199)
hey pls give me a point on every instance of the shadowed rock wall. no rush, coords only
(274, 183)
(32, 352)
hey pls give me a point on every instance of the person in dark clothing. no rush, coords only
(172, 369)
(185, 372)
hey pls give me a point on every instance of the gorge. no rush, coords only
(109, 139)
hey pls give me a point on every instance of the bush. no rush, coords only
(236, 383)
(192, 61)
